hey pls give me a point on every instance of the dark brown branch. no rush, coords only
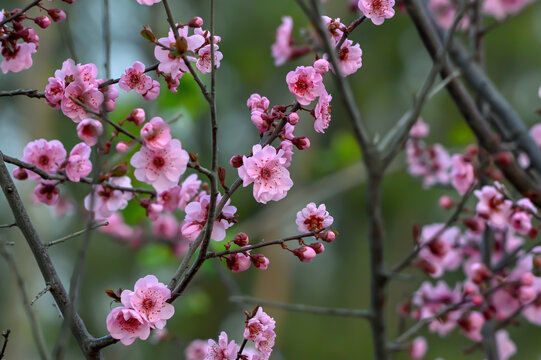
(5, 335)
(348, 31)
(25, 9)
(5, 226)
(31, 93)
(318, 310)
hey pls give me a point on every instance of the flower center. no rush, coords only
(43, 160)
(158, 161)
(265, 173)
(148, 303)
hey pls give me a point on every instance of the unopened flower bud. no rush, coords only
(321, 66)
(328, 236)
(305, 253)
(57, 14)
(137, 116)
(236, 161)
(526, 294)
(260, 261)
(477, 300)
(479, 272)
(293, 118)
(527, 279)
(504, 158)
(20, 174)
(43, 21)
(121, 147)
(533, 233)
(241, 239)
(418, 348)
(238, 262)
(446, 202)
(301, 143)
(196, 22)
(318, 247)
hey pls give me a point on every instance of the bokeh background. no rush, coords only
(394, 67)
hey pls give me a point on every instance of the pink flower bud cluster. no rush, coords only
(172, 59)
(18, 42)
(144, 308)
(241, 261)
(314, 219)
(135, 79)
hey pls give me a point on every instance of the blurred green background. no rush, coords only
(394, 67)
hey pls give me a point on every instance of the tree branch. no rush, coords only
(31, 93)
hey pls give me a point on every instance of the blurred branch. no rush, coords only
(75, 234)
(34, 325)
(366, 314)
(4, 226)
(32, 93)
(25, 9)
(107, 38)
(5, 335)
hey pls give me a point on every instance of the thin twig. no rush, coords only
(75, 234)
(40, 294)
(349, 30)
(4, 226)
(366, 314)
(31, 93)
(5, 335)
(25, 9)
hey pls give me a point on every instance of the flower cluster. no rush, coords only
(144, 308)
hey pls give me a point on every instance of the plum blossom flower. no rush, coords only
(305, 253)
(431, 163)
(420, 129)
(170, 198)
(79, 164)
(238, 262)
(148, 2)
(441, 252)
(19, 58)
(196, 217)
(120, 230)
(506, 347)
(305, 83)
(377, 10)
(163, 167)
(521, 219)
(149, 299)
(153, 92)
(107, 200)
(282, 49)
(258, 102)
(350, 58)
(335, 28)
(472, 323)
(462, 174)
(156, 134)
(267, 171)
(188, 190)
(88, 95)
(135, 78)
(89, 131)
(493, 206)
(418, 348)
(221, 350)
(46, 155)
(166, 227)
(260, 322)
(204, 63)
(171, 63)
(197, 350)
(126, 325)
(313, 218)
(47, 193)
(322, 112)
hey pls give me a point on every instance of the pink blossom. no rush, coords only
(119, 229)
(305, 253)
(431, 163)
(418, 348)
(106, 200)
(287, 147)
(170, 198)
(197, 350)
(377, 10)
(258, 102)
(266, 169)
(156, 134)
(222, 350)
(46, 155)
(321, 66)
(305, 83)
(166, 227)
(420, 129)
(506, 347)
(260, 322)
(47, 193)
(137, 116)
(79, 164)
(445, 11)
(313, 218)
(149, 299)
(163, 167)
(462, 174)
(54, 92)
(322, 112)
(259, 119)
(238, 262)
(350, 57)
(472, 323)
(442, 252)
(204, 63)
(196, 217)
(173, 64)
(148, 2)
(89, 130)
(502, 8)
(153, 92)
(18, 59)
(126, 325)
(532, 312)
(260, 261)
(493, 206)
(335, 28)
(91, 97)
(265, 342)
(521, 219)
(188, 190)
(282, 47)
(293, 119)
(135, 78)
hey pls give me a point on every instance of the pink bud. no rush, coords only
(196, 22)
(43, 21)
(318, 247)
(527, 279)
(446, 202)
(301, 143)
(236, 161)
(328, 236)
(20, 174)
(57, 14)
(477, 300)
(293, 118)
(418, 348)
(469, 289)
(305, 253)
(479, 272)
(137, 116)
(260, 261)
(321, 66)
(241, 239)
(238, 262)
(526, 294)
(121, 147)
(153, 211)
